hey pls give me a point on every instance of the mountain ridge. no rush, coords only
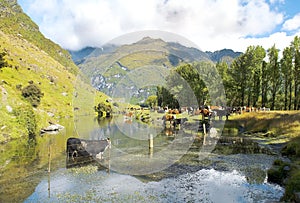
(107, 65)
(81, 55)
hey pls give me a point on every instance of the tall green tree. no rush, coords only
(274, 71)
(165, 98)
(223, 70)
(287, 72)
(185, 83)
(296, 55)
(236, 81)
(264, 84)
(211, 86)
(255, 56)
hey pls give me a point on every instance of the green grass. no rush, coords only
(32, 57)
(276, 123)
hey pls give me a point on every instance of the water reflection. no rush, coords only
(24, 167)
(205, 185)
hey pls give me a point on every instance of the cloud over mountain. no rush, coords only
(212, 25)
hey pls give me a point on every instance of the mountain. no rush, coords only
(80, 56)
(32, 63)
(106, 66)
(224, 54)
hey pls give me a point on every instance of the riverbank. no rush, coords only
(281, 128)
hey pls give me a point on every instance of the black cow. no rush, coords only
(222, 112)
(86, 148)
(178, 121)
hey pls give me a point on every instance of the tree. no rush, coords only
(223, 70)
(165, 98)
(287, 72)
(264, 84)
(186, 82)
(296, 55)
(103, 109)
(33, 94)
(257, 62)
(239, 75)
(152, 101)
(274, 71)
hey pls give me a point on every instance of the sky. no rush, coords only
(209, 24)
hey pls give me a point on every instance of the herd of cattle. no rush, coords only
(170, 117)
(213, 111)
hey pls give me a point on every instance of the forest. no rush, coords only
(257, 78)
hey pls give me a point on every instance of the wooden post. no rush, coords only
(204, 132)
(108, 167)
(150, 145)
(49, 159)
(49, 168)
(150, 141)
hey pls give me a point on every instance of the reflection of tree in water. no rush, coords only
(105, 129)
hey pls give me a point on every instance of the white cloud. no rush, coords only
(292, 24)
(277, 1)
(211, 25)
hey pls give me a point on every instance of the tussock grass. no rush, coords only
(276, 123)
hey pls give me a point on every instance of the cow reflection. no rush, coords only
(81, 152)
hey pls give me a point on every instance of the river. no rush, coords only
(177, 169)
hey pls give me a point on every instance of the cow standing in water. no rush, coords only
(80, 148)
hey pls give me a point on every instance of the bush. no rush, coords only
(33, 94)
(102, 108)
(3, 63)
(27, 118)
(292, 186)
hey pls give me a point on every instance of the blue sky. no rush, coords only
(211, 25)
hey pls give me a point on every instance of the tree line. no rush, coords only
(257, 78)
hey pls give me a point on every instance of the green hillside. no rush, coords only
(106, 69)
(15, 22)
(33, 60)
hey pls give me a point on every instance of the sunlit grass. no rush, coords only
(29, 63)
(277, 123)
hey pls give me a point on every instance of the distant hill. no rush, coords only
(224, 54)
(80, 56)
(106, 66)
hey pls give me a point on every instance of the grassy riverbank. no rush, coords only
(277, 124)
(278, 127)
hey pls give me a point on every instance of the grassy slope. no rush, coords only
(29, 63)
(32, 57)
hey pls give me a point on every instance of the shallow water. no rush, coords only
(180, 170)
(206, 185)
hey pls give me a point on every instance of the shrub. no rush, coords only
(103, 107)
(27, 118)
(3, 63)
(33, 94)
